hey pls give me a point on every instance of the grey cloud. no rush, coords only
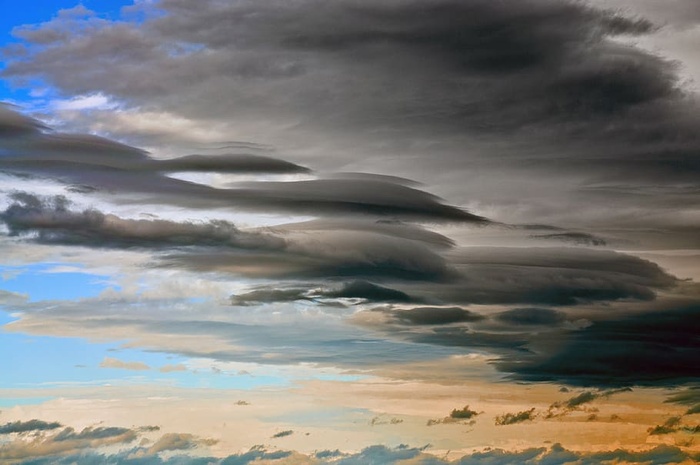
(545, 276)
(369, 291)
(457, 87)
(549, 276)
(523, 108)
(532, 316)
(430, 315)
(351, 290)
(55, 223)
(26, 426)
(231, 163)
(265, 295)
(220, 245)
(353, 196)
(573, 237)
(16, 124)
(333, 256)
(386, 227)
(498, 67)
(102, 164)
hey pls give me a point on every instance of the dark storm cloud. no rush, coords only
(653, 348)
(540, 111)
(474, 67)
(369, 291)
(532, 316)
(549, 276)
(430, 315)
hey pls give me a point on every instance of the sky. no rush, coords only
(350, 232)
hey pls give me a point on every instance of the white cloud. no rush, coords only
(97, 101)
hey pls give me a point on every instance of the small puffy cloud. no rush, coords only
(464, 413)
(669, 426)
(172, 368)
(283, 434)
(109, 362)
(513, 418)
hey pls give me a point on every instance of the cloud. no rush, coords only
(429, 315)
(110, 362)
(540, 112)
(559, 409)
(513, 418)
(690, 397)
(231, 163)
(26, 426)
(669, 426)
(532, 316)
(463, 416)
(282, 434)
(465, 69)
(66, 442)
(576, 238)
(15, 124)
(639, 349)
(351, 290)
(86, 446)
(172, 368)
(55, 223)
(549, 276)
(105, 165)
(177, 441)
(464, 413)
